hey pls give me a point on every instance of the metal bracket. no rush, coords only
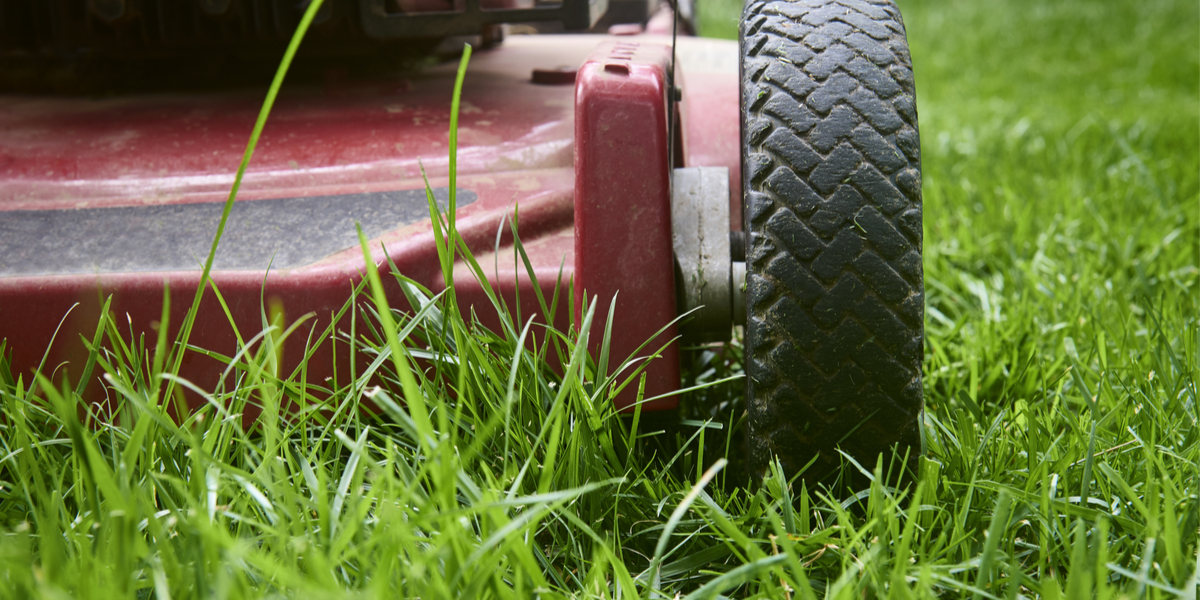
(710, 282)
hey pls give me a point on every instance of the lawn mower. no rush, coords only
(772, 184)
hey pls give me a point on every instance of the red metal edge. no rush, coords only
(65, 308)
(623, 212)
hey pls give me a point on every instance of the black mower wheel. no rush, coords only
(831, 176)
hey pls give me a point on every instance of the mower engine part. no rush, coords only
(383, 24)
(141, 29)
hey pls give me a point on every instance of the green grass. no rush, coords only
(1061, 162)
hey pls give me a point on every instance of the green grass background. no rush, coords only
(1062, 235)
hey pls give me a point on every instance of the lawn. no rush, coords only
(1061, 155)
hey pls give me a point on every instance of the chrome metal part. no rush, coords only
(700, 235)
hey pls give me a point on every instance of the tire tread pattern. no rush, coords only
(831, 169)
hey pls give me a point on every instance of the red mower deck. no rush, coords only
(120, 197)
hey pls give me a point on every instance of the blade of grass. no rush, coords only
(285, 63)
